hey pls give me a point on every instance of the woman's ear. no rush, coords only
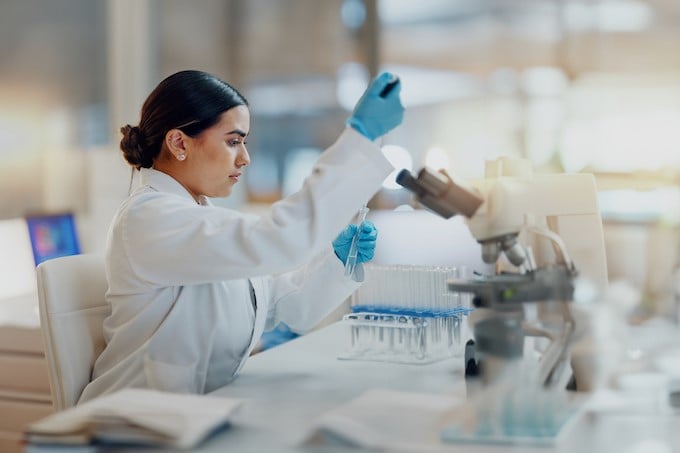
(174, 140)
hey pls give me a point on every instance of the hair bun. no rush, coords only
(133, 146)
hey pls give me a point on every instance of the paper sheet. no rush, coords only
(386, 419)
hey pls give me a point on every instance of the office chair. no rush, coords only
(72, 309)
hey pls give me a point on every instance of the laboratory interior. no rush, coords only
(524, 291)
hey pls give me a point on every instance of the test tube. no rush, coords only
(351, 262)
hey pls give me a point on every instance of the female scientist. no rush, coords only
(192, 286)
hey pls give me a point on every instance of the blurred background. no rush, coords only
(572, 85)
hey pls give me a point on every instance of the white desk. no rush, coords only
(24, 386)
(288, 387)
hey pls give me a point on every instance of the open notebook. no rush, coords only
(136, 417)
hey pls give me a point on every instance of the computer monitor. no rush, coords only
(52, 235)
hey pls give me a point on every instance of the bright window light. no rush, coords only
(437, 158)
(609, 16)
(17, 269)
(622, 123)
(18, 133)
(626, 142)
(400, 158)
(299, 164)
(352, 80)
(544, 81)
(634, 205)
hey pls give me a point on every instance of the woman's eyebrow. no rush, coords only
(236, 131)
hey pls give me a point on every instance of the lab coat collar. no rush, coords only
(163, 182)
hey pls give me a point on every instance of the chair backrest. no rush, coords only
(72, 305)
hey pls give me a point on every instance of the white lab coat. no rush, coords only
(192, 287)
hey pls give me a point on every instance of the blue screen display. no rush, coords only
(52, 236)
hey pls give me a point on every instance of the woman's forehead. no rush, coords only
(236, 118)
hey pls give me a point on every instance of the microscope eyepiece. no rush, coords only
(438, 192)
(406, 180)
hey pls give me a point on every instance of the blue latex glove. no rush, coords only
(375, 115)
(368, 234)
(277, 336)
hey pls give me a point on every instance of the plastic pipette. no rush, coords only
(351, 262)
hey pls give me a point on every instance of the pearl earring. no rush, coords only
(181, 156)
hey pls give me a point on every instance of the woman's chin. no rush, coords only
(223, 193)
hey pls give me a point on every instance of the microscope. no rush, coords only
(541, 231)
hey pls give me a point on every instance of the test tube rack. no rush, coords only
(406, 314)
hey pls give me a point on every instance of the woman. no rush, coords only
(192, 286)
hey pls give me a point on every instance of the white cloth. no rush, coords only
(179, 273)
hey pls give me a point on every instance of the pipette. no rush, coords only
(351, 262)
(353, 254)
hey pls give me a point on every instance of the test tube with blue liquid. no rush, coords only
(353, 254)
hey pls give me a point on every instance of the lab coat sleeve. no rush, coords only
(303, 297)
(175, 243)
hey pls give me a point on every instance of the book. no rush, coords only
(136, 417)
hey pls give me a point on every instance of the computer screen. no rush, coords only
(52, 236)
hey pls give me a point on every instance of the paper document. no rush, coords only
(136, 416)
(385, 419)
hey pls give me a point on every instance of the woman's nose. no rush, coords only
(243, 158)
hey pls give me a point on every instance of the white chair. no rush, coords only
(72, 307)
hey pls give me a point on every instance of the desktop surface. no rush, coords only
(287, 388)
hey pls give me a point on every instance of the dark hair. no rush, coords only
(191, 101)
